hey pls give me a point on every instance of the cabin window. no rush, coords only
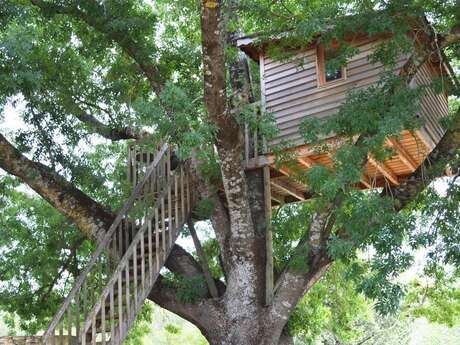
(327, 74)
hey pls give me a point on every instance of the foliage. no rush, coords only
(141, 325)
(56, 69)
(169, 329)
(212, 252)
(332, 304)
(41, 255)
(435, 298)
(188, 289)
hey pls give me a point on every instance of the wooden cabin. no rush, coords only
(301, 87)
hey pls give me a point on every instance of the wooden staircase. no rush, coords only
(109, 293)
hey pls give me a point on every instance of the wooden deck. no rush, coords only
(410, 152)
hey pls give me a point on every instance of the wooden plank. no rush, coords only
(53, 337)
(403, 155)
(269, 277)
(150, 247)
(85, 302)
(424, 137)
(103, 321)
(120, 238)
(256, 143)
(157, 240)
(182, 196)
(286, 187)
(170, 221)
(285, 171)
(135, 279)
(246, 143)
(163, 228)
(263, 105)
(61, 333)
(69, 324)
(176, 203)
(93, 330)
(112, 315)
(189, 193)
(120, 305)
(277, 197)
(306, 162)
(77, 317)
(384, 170)
(258, 163)
(142, 264)
(365, 181)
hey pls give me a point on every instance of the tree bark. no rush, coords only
(92, 218)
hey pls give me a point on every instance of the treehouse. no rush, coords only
(302, 87)
(108, 295)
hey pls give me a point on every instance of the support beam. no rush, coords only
(364, 178)
(403, 155)
(365, 181)
(306, 162)
(286, 171)
(288, 189)
(384, 170)
(299, 151)
(278, 198)
(269, 276)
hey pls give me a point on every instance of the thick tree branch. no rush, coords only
(228, 131)
(219, 218)
(451, 37)
(429, 48)
(104, 26)
(292, 286)
(182, 262)
(104, 130)
(202, 313)
(87, 214)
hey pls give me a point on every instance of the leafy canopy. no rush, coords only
(58, 67)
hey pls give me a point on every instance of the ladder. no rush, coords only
(110, 291)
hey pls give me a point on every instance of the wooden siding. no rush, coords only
(433, 107)
(291, 92)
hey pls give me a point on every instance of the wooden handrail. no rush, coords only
(104, 243)
(122, 262)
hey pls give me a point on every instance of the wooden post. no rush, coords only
(269, 238)
(204, 262)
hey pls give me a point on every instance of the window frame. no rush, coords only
(321, 68)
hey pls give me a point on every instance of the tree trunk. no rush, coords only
(253, 337)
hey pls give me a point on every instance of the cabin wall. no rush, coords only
(433, 107)
(291, 91)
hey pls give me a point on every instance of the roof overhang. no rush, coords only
(251, 46)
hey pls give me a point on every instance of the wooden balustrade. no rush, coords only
(126, 263)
